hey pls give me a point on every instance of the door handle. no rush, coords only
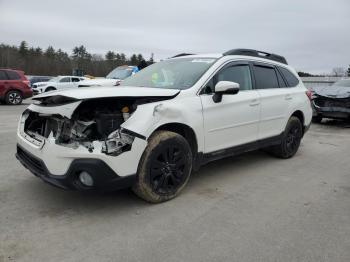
(288, 97)
(254, 102)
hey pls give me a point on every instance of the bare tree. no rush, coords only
(338, 71)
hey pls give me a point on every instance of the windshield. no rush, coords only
(120, 73)
(181, 73)
(344, 82)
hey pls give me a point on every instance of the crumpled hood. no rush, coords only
(332, 91)
(116, 91)
(99, 82)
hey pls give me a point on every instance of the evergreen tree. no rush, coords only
(133, 60)
(110, 55)
(123, 58)
(23, 49)
(139, 58)
(50, 52)
(36, 61)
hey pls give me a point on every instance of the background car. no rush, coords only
(14, 86)
(57, 83)
(36, 79)
(113, 78)
(331, 101)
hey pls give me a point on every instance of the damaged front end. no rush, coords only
(331, 107)
(95, 124)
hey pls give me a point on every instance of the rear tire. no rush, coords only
(165, 167)
(291, 139)
(13, 97)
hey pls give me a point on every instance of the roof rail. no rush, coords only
(182, 54)
(256, 53)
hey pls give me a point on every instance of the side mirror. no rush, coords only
(225, 87)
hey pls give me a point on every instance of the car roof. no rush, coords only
(199, 56)
(241, 53)
(232, 57)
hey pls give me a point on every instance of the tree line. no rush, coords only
(52, 62)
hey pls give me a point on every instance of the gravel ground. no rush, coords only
(251, 207)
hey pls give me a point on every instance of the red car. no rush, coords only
(14, 87)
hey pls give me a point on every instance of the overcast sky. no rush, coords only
(313, 35)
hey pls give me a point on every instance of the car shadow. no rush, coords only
(336, 123)
(51, 201)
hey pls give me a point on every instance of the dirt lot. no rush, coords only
(248, 208)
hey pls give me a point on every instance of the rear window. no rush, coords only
(13, 75)
(265, 77)
(292, 81)
(3, 76)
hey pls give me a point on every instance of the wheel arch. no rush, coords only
(52, 87)
(300, 115)
(13, 89)
(184, 130)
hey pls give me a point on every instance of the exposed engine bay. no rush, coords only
(94, 122)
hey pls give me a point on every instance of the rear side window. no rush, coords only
(281, 81)
(3, 76)
(265, 77)
(292, 81)
(13, 75)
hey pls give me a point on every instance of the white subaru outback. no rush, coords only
(162, 123)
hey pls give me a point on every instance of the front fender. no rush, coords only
(186, 110)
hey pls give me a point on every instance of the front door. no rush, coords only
(233, 121)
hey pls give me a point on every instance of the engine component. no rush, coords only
(117, 143)
(126, 114)
(107, 123)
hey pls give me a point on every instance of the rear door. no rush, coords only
(14, 79)
(3, 83)
(64, 83)
(275, 99)
(75, 81)
(233, 121)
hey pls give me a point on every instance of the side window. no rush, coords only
(235, 73)
(3, 75)
(65, 80)
(75, 79)
(13, 75)
(290, 78)
(265, 77)
(281, 81)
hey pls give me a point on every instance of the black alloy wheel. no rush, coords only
(165, 167)
(167, 170)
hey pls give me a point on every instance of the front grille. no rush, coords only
(32, 163)
(332, 102)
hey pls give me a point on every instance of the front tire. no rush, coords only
(291, 139)
(165, 167)
(13, 97)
